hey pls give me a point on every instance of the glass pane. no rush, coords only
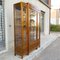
(32, 25)
(18, 26)
(24, 24)
(2, 27)
(45, 1)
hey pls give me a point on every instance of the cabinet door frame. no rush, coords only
(28, 23)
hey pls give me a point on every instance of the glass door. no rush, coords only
(32, 25)
(34, 37)
(18, 26)
(24, 26)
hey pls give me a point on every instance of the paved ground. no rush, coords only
(2, 45)
(45, 55)
(50, 53)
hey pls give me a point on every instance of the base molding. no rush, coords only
(1, 52)
(38, 51)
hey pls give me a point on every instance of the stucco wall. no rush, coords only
(9, 21)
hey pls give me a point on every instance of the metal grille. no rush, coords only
(0, 2)
(2, 25)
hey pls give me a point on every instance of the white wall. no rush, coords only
(53, 21)
(9, 21)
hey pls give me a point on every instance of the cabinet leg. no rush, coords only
(15, 54)
(27, 53)
(21, 57)
(36, 47)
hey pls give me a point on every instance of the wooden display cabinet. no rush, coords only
(26, 28)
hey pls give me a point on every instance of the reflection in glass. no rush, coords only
(24, 24)
(32, 25)
(18, 26)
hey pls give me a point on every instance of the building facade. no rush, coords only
(55, 16)
(42, 5)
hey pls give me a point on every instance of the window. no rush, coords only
(42, 21)
(0, 2)
(2, 27)
(46, 1)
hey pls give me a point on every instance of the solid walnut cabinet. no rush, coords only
(26, 28)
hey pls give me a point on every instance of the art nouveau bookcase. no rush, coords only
(26, 28)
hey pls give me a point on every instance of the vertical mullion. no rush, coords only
(14, 34)
(22, 30)
(37, 26)
(28, 27)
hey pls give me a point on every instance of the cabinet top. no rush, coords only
(27, 5)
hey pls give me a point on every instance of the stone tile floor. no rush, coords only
(52, 52)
